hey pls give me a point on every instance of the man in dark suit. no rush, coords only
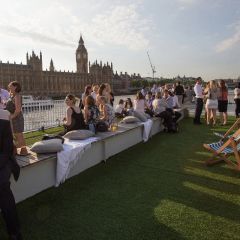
(8, 165)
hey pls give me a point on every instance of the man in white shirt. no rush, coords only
(4, 96)
(199, 100)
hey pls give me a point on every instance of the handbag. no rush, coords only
(102, 126)
(52, 136)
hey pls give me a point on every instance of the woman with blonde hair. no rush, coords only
(212, 93)
(106, 111)
(110, 96)
(102, 92)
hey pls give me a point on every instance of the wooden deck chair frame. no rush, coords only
(218, 156)
(235, 125)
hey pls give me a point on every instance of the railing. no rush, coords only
(43, 114)
(50, 113)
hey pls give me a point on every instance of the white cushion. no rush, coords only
(130, 119)
(79, 134)
(47, 146)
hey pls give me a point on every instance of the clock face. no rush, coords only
(78, 56)
(85, 55)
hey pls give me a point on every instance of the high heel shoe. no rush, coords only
(23, 151)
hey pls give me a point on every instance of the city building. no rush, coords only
(51, 83)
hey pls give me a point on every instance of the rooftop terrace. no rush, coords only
(155, 190)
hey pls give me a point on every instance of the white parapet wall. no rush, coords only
(37, 176)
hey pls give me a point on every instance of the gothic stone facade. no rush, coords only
(37, 82)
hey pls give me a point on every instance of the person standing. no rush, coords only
(14, 106)
(223, 102)
(237, 99)
(212, 93)
(144, 91)
(199, 100)
(8, 166)
(179, 92)
(4, 96)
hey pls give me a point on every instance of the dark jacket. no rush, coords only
(179, 90)
(7, 159)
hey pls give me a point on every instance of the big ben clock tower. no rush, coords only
(82, 57)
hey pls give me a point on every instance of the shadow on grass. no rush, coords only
(146, 192)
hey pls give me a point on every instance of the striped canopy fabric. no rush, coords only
(226, 150)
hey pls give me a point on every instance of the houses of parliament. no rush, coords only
(38, 82)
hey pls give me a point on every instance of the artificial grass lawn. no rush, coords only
(157, 190)
(32, 137)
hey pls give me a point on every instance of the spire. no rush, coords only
(81, 42)
(27, 58)
(51, 68)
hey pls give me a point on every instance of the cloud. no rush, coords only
(185, 4)
(187, 1)
(122, 25)
(59, 24)
(12, 31)
(230, 42)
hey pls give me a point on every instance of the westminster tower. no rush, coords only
(82, 57)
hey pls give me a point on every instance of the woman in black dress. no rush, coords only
(74, 118)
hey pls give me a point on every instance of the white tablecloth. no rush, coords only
(72, 152)
(147, 129)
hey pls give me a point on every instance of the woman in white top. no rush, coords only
(159, 104)
(95, 91)
(139, 103)
(237, 99)
(159, 108)
(212, 93)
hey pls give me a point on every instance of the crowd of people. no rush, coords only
(95, 111)
(215, 97)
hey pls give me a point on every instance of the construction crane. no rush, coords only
(152, 67)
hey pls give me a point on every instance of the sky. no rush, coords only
(183, 37)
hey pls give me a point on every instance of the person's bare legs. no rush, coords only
(225, 118)
(21, 143)
(208, 116)
(20, 140)
(221, 118)
(214, 115)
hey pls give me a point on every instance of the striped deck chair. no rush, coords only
(227, 134)
(223, 149)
